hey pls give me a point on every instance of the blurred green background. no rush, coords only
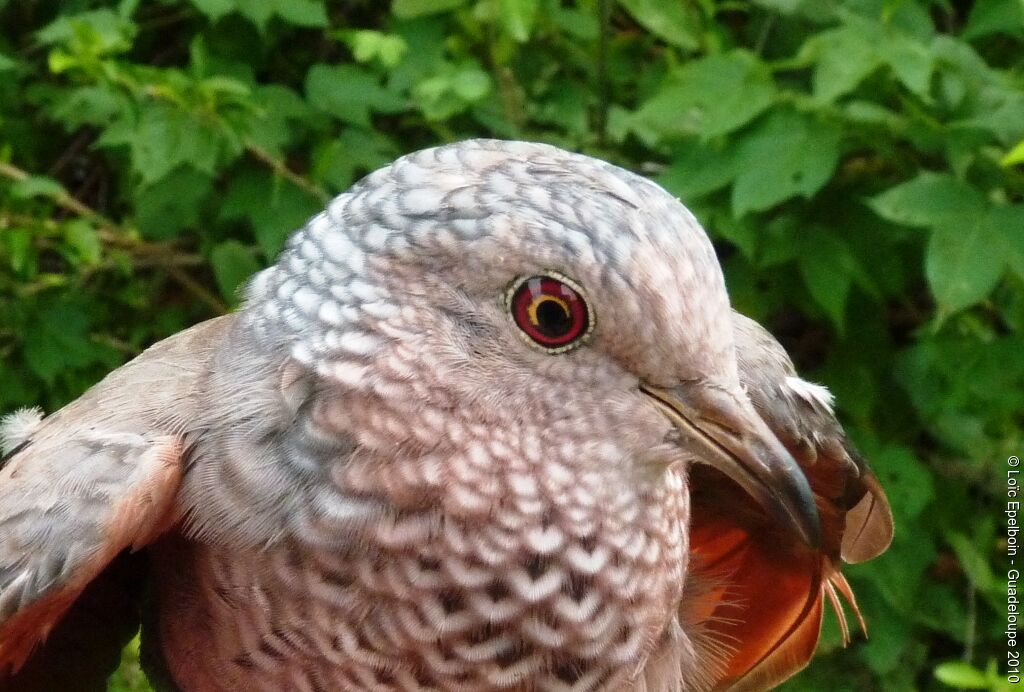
(857, 162)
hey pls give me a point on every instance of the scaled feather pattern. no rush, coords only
(374, 476)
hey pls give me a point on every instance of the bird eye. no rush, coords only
(550, 310)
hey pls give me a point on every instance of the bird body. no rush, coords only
(450, 442)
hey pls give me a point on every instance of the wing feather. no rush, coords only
(767, 613)
(869, 524)
(767, 609)
(96, 478)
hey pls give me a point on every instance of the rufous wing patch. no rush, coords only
(765, 616)
(133, 519)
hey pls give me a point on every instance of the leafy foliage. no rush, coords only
(858, 163)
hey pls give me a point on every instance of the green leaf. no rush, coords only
(992, 101)
(174, 203)
(368, 45)
(740, 232)
(89, 105)
(827, 267)
(471, 83)
(787, 154)
(165, 137)
(672, 21)
(899, 575)
(518, 17)
(779, 242)
(906, 480)
(306, 13)
(845, 56)
(6, 63)
(81, 237)
(968, 248)
(698, 169)
(58, 340)
(258, 12)
(911, 62)
(273, 207)
(214, 9)
(972, 560)
(910, 19)
(1014, 156)
(848, 54)
(96, 32)
(280, 120)
(355, 151)
(21, 254)
(452, 90)
(233, 263)
(955, 386)
(130, 676)
(709, 97)
(815, 10)
(37, 186)
(1008, 223)
(963, 145)
(577, 22)
(963, 262)
(18, 388)
(929, 199)
(409, 9)
(994, 16)
(567, 108)
(890, 637)
(961, 674)
(350, 93)
(43, 355)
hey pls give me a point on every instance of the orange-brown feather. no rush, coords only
(140, 515)
(767, 607)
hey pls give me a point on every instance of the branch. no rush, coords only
(288, 174)
(63, 200)
(114, 234)
(198, 290)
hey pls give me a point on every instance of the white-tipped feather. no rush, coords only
(17, 427)
(814, 394)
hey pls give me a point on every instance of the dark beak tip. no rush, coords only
(808, 525)
(794, 499)
(726, 431)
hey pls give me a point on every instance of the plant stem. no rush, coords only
(288, 174)
(112, 233)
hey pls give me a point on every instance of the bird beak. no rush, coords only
(723, 429)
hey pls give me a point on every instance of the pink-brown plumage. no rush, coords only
(384, 485)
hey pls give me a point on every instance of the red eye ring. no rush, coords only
(550, 310)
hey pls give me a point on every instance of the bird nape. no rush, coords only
(488, 423)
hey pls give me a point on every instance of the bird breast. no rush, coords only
(542, 578)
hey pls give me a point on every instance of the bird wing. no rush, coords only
(760, 590)
(96, 478)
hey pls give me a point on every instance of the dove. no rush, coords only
(488, 423)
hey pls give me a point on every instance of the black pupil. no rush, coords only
(552, 319)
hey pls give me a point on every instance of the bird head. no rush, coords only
(524, 287)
